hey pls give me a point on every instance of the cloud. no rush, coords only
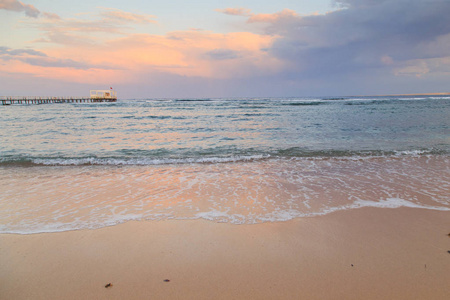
(221, 54)
(89, 28)
(193, 53)
(282, 16)
(361, 46)
(103, 40)
(116, 15)
(365, 46)
(57, 63)
(51, 16)
(130, 58)
(37, 58)
(364, 37)
(8, 52)
(18, 6)
(417, 69)
(235, 11)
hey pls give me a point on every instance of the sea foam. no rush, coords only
(61, 198)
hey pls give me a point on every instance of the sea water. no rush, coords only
(242, 161)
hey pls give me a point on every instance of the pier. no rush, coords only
(46, 100)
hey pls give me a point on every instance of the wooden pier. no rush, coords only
(46, 100)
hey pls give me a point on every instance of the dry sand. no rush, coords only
(367, 253)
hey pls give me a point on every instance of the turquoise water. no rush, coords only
(176, 130)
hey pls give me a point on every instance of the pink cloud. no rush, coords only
(200, 54)
(235, 11)
(51, 16)
(272, 18)
(76, 46)
(94, 30)
(119, 15)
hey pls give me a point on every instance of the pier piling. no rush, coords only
(40, 100)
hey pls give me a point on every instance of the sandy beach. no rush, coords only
(367, 253)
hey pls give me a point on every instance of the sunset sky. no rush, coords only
(246, 48)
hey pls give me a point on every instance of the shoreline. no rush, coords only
(384, 205)
(368, 253)
(64, 198)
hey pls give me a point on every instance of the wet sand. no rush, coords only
(368, 253)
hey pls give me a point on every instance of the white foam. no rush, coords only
(281, 190)
(143, 161)
(212, 215)
(395, 203)
(111, 220)
(222, 217)
(280, 216)
(412, 152)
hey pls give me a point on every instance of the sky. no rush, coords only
(211, 49)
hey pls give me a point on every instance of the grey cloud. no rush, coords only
(365, 34)
(62, 63)
(38, 58)
(18, 6)
(7, 53)
(221, 54)
(56, 63)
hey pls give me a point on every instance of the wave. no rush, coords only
(213, 215)
(152, 117)
(353, 101)
(389, 100)
(142, 158)
(301, 152)
(290, 214)
(313, 103)
(122, 161)
(346, 101)
(193, 100)
(371, 102)
(335, 98)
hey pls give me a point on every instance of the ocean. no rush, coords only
(241, 161)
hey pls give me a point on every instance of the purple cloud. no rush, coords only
(365, 34)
